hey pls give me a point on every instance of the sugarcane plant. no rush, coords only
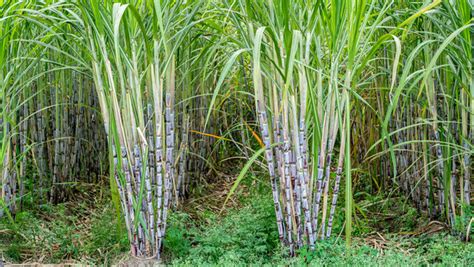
(134, 60)
(308, 65)
(300, 120)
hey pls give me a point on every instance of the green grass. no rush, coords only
(244, 235)
(63, 233)
(248, 235)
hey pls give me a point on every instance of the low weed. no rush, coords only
(63, 233)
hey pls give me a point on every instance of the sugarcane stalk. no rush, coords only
(331, 143)
(321, 162)
(169, 131)
(151, 178)
(302, 178)
(336, 183)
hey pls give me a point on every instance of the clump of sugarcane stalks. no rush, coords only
(139, 111)
(300, 183)
(53, 124)
(304, 111)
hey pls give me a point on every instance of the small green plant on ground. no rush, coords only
(246, 235)
(69, 232)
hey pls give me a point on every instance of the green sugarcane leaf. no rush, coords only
(222, 77)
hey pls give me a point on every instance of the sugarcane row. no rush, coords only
(58, 134)
(423, 174)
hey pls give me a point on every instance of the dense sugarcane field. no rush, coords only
(237, 132)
